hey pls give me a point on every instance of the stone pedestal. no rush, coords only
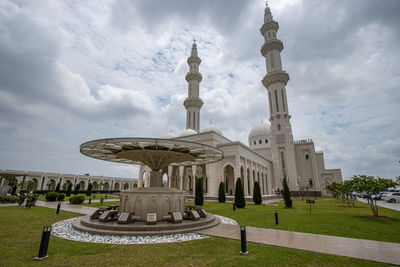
(141, 201)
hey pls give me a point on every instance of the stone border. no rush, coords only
(63, 229)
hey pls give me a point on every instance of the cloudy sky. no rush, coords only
(74, 71)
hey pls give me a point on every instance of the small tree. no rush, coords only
(286, 193)
(89, 189)
(77, 187)
(335, 189)
(126, 186)
(372, 186)
(58, 188)
(221, 193)
(240, 201)
(257, 194)
(69, 189)
(199, 199)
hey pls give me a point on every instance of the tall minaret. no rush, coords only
(193, 103)
(282, 146)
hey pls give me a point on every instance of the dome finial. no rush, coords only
(266, 3)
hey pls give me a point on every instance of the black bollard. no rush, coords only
(44, 243)
(243, 241)
(58, 208)
(90, 200)
(94, 196)
(276, 217)
(234, 206)
(101, 200)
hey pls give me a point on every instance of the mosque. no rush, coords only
(272, 152)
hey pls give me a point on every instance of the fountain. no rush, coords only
(156, 209)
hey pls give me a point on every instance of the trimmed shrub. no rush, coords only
(77, 187)
(9, 199)
(40, 192)
(199, 199)
(221, 193)
(57, 188)
(69, 189)
(60, 197)
(240, 201)
(78, 199)
(257, 194)
(286, 193)
(51, 196)
(89, 189)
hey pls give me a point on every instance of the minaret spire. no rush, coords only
(275, 81)
(193, 103)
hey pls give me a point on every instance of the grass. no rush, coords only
(98, 204)
(20, 233)
(328, 217)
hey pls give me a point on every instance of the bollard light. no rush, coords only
(234, 206)
(276, 217)
(90, 200)
(44, 243)
(101, 200)
(58, 208)
(243, 241)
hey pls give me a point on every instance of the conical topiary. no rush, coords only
(221, 193)
(69, 189)
(286, 194)
(77, 187)
(199, 199)
(89, 189)
(240, 201)
(58, 188)
(257, 194)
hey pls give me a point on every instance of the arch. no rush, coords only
(35, 184)
(164, 180)
(229, 179)
(248, 181)
(328, 181)
(143, 178)
(135, 185)
(82, 185)
(95, 185)
(51, 184)
(106, 186)
(116, 186)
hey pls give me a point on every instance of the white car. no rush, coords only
(391, 197)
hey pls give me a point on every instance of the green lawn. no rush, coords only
(328, 217)
(20, 233)
(98, 204)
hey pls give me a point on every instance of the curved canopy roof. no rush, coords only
(154, 152)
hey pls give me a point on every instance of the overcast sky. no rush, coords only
(74, 71)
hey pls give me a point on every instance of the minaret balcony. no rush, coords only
(274, 44)
(279, 76)
(193, 102)
(272, 25)
(196, 60)
(193, 76)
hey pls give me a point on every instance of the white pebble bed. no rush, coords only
(63, 229)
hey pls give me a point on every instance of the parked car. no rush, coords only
(391, 197)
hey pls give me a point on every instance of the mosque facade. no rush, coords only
(272, 153)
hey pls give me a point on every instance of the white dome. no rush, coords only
(170, 135)
(188, 132)
(211, 128)
(262, 129)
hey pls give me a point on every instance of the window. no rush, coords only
(279, 127)
(310, 182)
(307, 157)
(255, 143)
(276, 100)
(266, 141)
(260, 142)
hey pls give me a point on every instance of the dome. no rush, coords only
(262, 129)
(188, 132)
(259, 136)
(211, 128)
(170, 135)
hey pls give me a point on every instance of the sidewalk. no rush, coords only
(342, 246)
(65, 206)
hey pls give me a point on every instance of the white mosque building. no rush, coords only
(272, 152)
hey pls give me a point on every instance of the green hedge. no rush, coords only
(9, 199)
(51, 196)
(78, 199)
(60, 197)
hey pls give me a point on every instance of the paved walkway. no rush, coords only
(65, 206)
(384, 204)
(350, 247)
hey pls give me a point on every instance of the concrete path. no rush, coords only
(350, 247)
(65, 206)
(384, 204)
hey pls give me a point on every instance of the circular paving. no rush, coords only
(64, 229)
